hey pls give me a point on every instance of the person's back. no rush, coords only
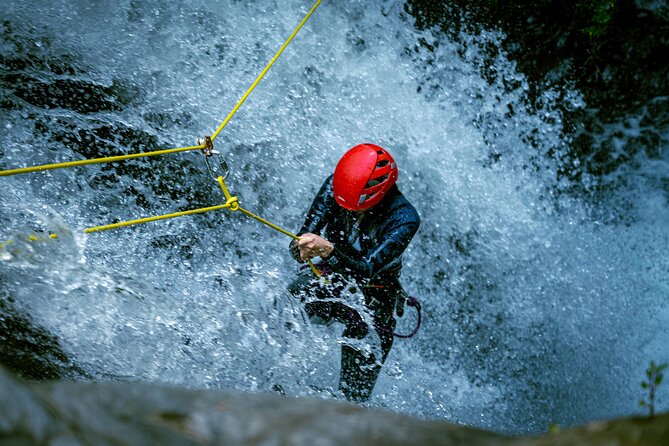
(368, 245)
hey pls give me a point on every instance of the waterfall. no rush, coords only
(540, 305)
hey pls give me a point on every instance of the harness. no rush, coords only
(326, 272)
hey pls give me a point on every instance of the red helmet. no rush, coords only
(363, 176)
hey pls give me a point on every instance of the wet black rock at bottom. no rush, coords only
(114, 413)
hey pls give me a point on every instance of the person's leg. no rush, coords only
(305, 287)
(359, 373)
(301, 286)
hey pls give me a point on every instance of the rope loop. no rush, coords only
(412, 302)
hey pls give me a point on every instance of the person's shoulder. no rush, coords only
(327, 184)
(326, 187)
(403, 209)
(411, 212)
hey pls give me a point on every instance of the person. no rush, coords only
(359, 224)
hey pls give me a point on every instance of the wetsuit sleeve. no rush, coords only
(317, 216)
(320, 210)
(390, 246)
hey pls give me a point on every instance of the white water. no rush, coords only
(535, 311)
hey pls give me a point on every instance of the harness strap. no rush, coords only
(324, 269)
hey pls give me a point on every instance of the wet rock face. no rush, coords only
(29, 350)
(613, 48)
(143, 414)
(612, 51)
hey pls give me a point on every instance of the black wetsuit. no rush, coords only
(368, 248)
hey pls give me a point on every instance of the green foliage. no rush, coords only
(654, 376)
(597, 14)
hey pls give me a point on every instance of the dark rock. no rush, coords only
(146, 414)
(612, 51)
(30, 350)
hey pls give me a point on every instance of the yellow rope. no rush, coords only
(283, 231)
(264, 71)
(180, 149)
(236, 207)
(95, 161)
(31, 237)
(231, 201)
(156, 218)
(271, 225)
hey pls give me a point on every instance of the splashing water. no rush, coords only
(539, 305)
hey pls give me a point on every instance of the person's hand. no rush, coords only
(312, 245)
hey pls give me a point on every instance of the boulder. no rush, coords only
(116, 413)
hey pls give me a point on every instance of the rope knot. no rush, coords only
(233, 203)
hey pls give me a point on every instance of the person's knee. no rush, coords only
(300, 285)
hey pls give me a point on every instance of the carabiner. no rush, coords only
(208, 151)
